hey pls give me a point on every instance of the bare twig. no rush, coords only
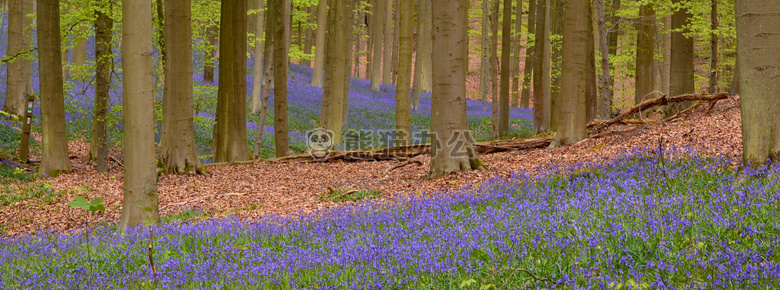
(402, 164)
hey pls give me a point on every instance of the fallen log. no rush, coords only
(408, 152)
(595, 126)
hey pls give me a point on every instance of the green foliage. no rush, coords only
(93, 206)
(8, 196)
(182, 216)
(348, 194)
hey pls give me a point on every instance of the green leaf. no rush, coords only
(467, 283)
(79, 202)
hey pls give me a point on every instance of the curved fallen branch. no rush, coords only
(595, 126)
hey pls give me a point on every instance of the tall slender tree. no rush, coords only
(506, 45)
(423, 15)
(281, 64)
(211, 54)
(571, 127)
(388, 49)
(528, 65)
(452, 148)
(556, 29)
(605, 99)
(494, 68)
(349, 32)
(403, 122)
(645, 53)
(54, 154)
(376, 63)
(103, 27)
(484, 80)
(178, 153)
(515, 90)
(319, 49)
(427, 26)
(758, 37)
(714, 43)
(230, 131)
(682, 56)
(140, 180)
(334, 90)
(540, 47)
(18, 48)
(260, 91)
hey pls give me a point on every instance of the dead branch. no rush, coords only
(660, 101)
(402, 164)
(409, 152)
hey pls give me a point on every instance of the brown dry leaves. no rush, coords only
(255, 190)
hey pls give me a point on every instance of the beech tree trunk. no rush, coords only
(494, 68)
(396, 39)
(605, 100)
(530, 47)
(99, 147)
(19, 40)
(140, 180)
(259, 98)
(506, 46)
(682, 59)
(348, 30)
(484, 82)
(208, 61)
(714, 41)
(281, 66)
(376, 63)
(423, 15)
(178, 154)
(572, 124)
(448, 108)
(334, 90)
(540, 47)
(319, 48)
(515, 87)
(758, 36)
(54, 154)
(388, 49)
(427, 26)
(231, 138)
(555, 61)
(645, 53)
(268, 79)
(403, 121)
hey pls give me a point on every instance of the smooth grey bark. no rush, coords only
(758, 37)
(485, 59)
(139, 204)
(334, 90)
(645, 54)
(232, 143)
(528, 66)
(376, 63)
(541, 116)
(99, 145)
(506, 46)
(448, 108)
(54, 151)
(281, 61)
(571, 127)
(19, 67)
(388, 49)
(259, 100)
(682, 68)
(605, 100)
(403, 121)
(714, 42)
(319, 48)
(178, 154)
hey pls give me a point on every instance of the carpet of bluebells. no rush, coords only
(640, 222)
(368, 110)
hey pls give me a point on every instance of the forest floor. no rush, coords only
(259, 189)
